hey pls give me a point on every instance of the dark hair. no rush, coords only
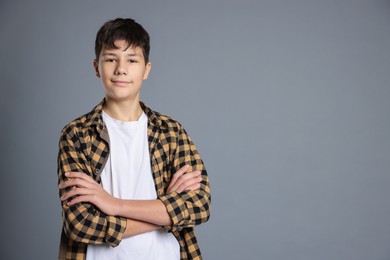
(122, 29)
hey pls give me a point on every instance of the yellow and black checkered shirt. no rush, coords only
(84, 147)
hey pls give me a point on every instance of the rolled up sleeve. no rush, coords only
(188, 208)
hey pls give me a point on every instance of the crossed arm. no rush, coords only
(141, 215)
(95, 221)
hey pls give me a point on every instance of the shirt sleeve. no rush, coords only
(82, 222)
(188, 208)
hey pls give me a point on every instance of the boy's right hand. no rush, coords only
(182, 182)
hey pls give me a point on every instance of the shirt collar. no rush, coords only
(153, 117)
(94, 118)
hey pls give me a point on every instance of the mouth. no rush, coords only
(120, 82)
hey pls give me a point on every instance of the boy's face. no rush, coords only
(122, 71)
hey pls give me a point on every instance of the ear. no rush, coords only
(148, 67)
(96, 67)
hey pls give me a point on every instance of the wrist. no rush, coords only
(115, 205)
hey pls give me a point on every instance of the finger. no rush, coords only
(193, 187)
(75, 192)
(75, 182)
(184, 178)
(79, 175)
(177, 174)
(188, 183)
(85, 198)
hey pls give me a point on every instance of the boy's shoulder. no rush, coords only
(161, 120)
(86, 121)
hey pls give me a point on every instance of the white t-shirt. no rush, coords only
(127, 175)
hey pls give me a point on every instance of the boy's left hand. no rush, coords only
(183, 180)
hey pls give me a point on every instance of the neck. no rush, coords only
(123, 110)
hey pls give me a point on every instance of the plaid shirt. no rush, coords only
(84, 147)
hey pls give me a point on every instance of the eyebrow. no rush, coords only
(114, 54)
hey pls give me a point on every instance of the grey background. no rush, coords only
(287, 101)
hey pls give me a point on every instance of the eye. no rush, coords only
(110, 60)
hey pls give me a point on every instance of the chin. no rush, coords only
(122, 97)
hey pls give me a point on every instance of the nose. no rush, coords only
(120, 68)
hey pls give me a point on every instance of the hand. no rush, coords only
(181, 182)
(86, 189)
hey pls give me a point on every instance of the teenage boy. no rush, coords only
(132, 183)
